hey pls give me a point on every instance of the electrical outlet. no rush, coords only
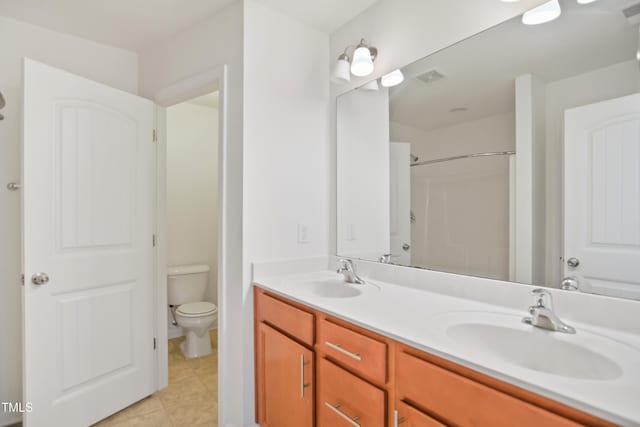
(303, 233)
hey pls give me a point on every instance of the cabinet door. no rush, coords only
(285, 387)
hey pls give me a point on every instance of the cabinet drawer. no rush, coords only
(345, 400)
(287, 318)
(363, 354)
(408, 416)
(463, 402)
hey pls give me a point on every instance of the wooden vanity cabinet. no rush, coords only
(284, 363)
(316, 370)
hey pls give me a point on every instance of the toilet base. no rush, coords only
(195, 346)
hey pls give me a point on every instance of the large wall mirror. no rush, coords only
(512, 155)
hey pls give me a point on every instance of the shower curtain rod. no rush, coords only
(466, 156)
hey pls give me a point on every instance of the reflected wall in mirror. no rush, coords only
(512, 155)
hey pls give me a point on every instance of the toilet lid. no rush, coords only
(195, 309)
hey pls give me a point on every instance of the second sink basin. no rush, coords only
(504, 338)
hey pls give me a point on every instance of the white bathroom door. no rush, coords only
(602, 197)
(400, 202)
(88, 225)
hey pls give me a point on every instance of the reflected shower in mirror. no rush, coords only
(512, 155)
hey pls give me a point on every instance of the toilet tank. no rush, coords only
(186, 283)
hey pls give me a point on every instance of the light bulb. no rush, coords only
(362, 64)
(394, 78)
(546, 12)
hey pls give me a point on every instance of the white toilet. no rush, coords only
(186, 288)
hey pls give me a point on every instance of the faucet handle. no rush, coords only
(540, 295)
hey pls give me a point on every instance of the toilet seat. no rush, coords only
(197, 309)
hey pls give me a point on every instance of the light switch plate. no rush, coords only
(303, 234)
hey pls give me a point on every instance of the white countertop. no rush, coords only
(411, 316)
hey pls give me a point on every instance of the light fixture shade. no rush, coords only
(546, 12)
(341, 73)
(394, 78)
(362, 64)
(372, 85)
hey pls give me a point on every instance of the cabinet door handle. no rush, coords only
(302, 383)
(397, 420)
(336, 408)
(339, 348)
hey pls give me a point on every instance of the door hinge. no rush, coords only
(155, 136)
(155, 343)
(154, 241)
(22, 279)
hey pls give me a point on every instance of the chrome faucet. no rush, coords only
(345, 266)
(543, 316)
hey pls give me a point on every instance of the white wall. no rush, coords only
(595, 86)
(286, 147)
(363, 191)
(216, 42)
(112, 66)
(192, 189)
(493, 133)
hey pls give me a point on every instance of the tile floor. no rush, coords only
(190, 400)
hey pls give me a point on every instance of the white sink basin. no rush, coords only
(505, 339)
(335, 288)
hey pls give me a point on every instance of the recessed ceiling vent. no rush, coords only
(632, 13)
(430, 76)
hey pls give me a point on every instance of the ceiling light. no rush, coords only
(394, 78)
(546, 12)
(362, 64)
(341, 72)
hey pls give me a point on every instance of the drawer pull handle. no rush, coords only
(337, 347)
(302, 383)
(336, 408)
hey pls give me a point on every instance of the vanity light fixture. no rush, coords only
(542, 14)
(360, 65)
(394, 78)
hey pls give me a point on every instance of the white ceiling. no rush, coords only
(480, 71)
(128, 24)
(136, 24)
(324, 15)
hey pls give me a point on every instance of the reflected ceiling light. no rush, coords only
(341, 71)
(362, 64)
(586, 1)
(546, 12)
(394, 78)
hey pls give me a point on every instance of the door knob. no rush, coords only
(40, 279)
(406, 247)
(573, 262)
(570, 284)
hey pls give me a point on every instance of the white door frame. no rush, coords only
(197, 85)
